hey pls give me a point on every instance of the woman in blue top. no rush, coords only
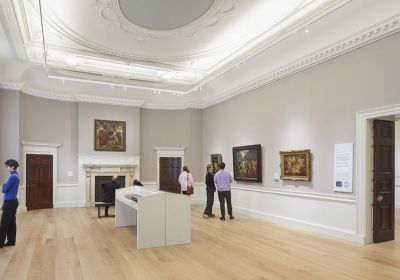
(8, 226)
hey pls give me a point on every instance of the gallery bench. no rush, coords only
(99, 205)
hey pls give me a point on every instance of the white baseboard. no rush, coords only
(301, 224)
(22, 209)
(69, 204)
(67, 185)
(312, 205)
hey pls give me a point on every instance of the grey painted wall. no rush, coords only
(9, 129)
(314, 109)
(89, 112)
(51, 121)
(167, 128)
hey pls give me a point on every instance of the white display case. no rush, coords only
(161, 218)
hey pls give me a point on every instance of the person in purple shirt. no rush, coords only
(223, 180)
(8, 226)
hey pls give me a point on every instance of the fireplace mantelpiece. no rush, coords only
(92, 166)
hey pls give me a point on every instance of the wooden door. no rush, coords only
(39, 181)
(170, 168)
(384, 178)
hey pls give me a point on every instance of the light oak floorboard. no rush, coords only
(72, 243)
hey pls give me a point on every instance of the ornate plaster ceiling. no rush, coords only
(170, 45)
(212, 52)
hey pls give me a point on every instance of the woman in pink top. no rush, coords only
(185, 180)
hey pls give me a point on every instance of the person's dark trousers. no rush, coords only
(222, 196)
(210, 202)
(8, 226)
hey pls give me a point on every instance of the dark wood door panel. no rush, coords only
(39, 181)
(170, 168)
(384, 178)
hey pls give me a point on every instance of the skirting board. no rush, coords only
(294, 222)
(69, 204)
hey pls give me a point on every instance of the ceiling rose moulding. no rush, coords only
(170, 59)
(111, 11)
(225, 65)
(360, 39)
(58, 26)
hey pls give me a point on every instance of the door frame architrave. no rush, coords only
(37, 148)
(363, 170)
(168, 152)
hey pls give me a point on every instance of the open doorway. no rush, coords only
(364, 166)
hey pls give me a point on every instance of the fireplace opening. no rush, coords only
(99, 180)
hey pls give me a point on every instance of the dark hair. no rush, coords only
(12, 163)
(185, 168)
(136, 182)
(222, 165)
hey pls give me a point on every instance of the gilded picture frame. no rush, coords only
(247, 165)
(216, 159)
(296, 165)
(109, 135)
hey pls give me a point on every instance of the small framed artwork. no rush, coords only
(247, 163)
(109, 135)
(296, 165)
(216, 159)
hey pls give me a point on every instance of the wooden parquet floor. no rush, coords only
(71, 243)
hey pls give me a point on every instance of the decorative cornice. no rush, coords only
(11, 85)
(109, 100)
(8, 12)
(82, 98)
(41, 144)
(360, 39)
(183, 106)
(169, 148)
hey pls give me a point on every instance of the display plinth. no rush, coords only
(161, 218)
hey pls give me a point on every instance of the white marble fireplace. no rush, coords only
(92, 166)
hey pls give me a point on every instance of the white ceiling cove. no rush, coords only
(170, 51)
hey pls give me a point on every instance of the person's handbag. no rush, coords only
(189, 189)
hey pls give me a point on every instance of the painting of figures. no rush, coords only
(216, 159)
(247, 163)
(109, 135)
(295, 165)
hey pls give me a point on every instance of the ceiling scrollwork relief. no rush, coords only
(110, 11)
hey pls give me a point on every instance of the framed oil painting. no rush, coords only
(247, 163)
(216, 159)
(296, 165)
(109, 135)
